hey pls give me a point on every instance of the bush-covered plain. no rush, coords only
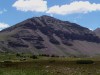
(12, 64)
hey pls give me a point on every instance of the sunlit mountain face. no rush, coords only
(48, 35)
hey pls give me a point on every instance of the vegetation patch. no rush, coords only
(47, 65)
(34, 57)
(84, 61)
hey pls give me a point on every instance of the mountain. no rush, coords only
(50, 36)
(97, 31)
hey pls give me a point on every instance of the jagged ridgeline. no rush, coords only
(48, 35)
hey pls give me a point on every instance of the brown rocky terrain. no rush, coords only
(48, 35)
(97, 31)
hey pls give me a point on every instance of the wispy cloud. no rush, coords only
(31, 5)
(3, 11)
(3, 25)
(74, 7)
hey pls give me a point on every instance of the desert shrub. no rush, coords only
(18, 55)
(34, 57)
(84, 62)
(45, 55)
(23, 59)
(7, 61)
(54, 56)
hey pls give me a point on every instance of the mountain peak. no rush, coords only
(48, 35)
(97, 31)
(45, 16)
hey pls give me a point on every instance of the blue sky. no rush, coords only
(83, 12)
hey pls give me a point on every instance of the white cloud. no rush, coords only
(31, 5)
(91, 29)
(74, 7)
(3, 25)
(2, 11)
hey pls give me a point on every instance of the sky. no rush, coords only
(83, 12)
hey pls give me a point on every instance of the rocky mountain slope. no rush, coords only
(97, 31)
(48, 35)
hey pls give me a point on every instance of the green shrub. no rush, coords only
(54, 56)
(34, 57)
(46, 55)
(18, 55)
(7, 61)
(84, 62)
(23, 59)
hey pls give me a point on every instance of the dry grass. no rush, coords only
(49, 66)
